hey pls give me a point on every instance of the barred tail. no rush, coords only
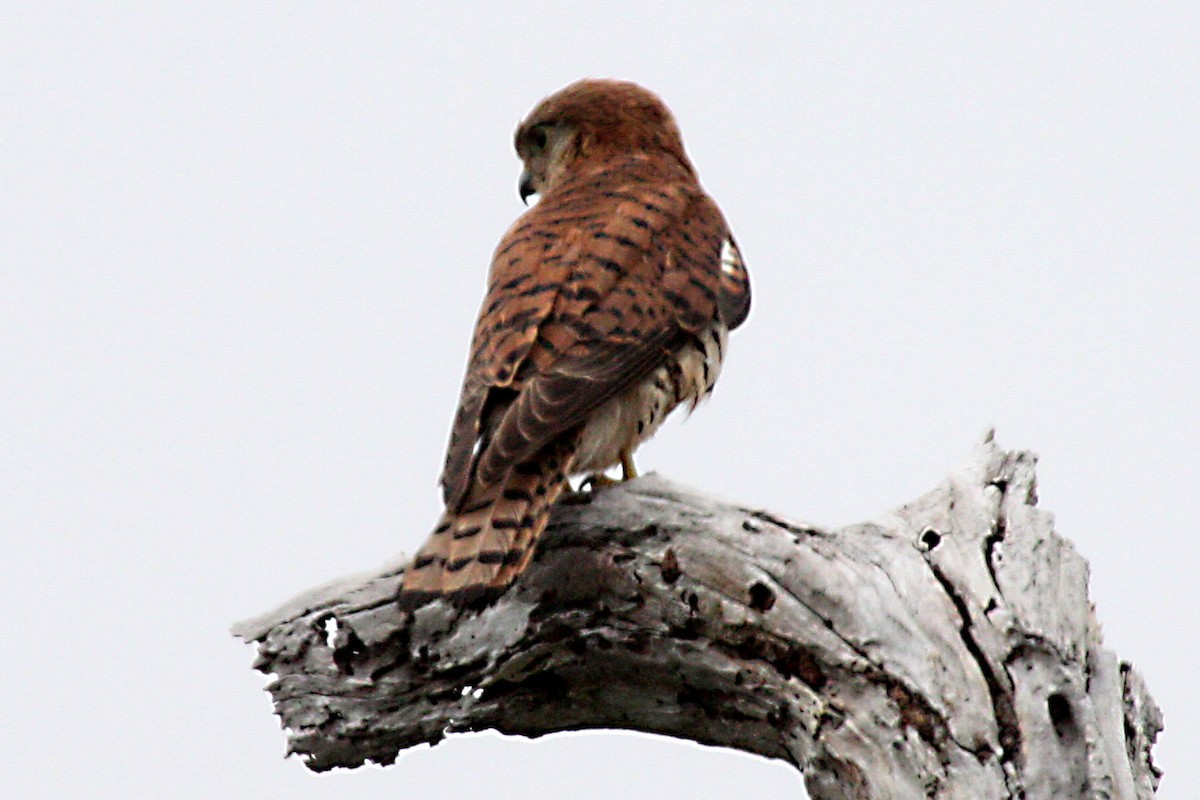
(479, 550)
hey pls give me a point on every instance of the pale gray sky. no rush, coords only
(243, 246)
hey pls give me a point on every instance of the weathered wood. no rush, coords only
(948, 650)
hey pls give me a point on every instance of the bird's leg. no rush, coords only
(628, 469)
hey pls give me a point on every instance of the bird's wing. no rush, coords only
(588, 294)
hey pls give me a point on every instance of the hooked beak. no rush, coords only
(526, 187)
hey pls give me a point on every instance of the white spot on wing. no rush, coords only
(731, 259)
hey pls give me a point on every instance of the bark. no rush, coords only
(947, 650)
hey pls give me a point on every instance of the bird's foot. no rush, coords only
(596, 481)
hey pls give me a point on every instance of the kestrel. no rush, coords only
(608, 305)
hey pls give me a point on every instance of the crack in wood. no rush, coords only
(1002, 704)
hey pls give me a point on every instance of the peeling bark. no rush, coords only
(947, 650)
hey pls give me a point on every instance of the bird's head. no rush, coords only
(588, 123)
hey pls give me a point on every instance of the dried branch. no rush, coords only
(948, 650)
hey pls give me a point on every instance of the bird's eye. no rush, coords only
(537, 140)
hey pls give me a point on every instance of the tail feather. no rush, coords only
(480, 550)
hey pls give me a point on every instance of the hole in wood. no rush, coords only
(1061, 716)
(330, 626)
(761, 597)
(931, 538)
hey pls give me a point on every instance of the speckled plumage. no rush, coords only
(608, 305)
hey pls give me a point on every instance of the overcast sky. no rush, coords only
(243, 246)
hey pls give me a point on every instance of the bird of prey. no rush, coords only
(608, 305)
